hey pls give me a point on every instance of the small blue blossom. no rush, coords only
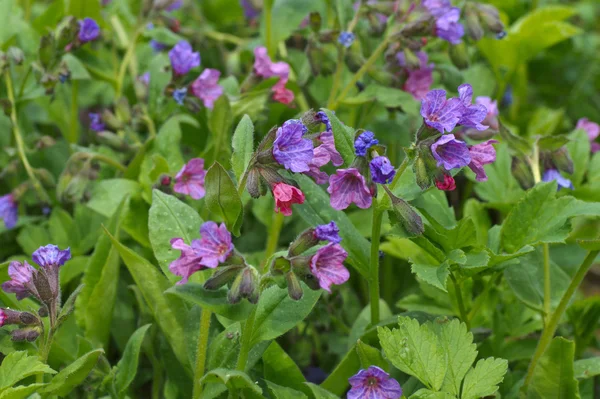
(363, 142)
(382, 170)
(346, 39)
(179, 95)
(553, 174)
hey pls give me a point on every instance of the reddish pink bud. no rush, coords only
(447, 185)
(286, 195)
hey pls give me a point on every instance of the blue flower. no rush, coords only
(346, 39)
(51, 256)
(363, 142)
(328, 232)
(88, 30)
(290, 149)
(179, 95)
(183, 58)
(382, 171)
(553, 174)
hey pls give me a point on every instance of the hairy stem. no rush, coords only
(74, 125)
(274, 232)
(374, 264)
(201, 352)
(246, 341)
(547, 286)
(461, 305)
(552, 324)
(268, 10)
(125, 63)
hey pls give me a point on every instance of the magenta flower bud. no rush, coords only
(439, 113)
(9, 210)
(347, 186)
(373, 383)
(363, 142)
(482, 154)
(446, 183)
(450, 153)
(183, 58)
(190, 179)
(327, 265)
(21, 282)
(3, 317)
(553, 174)
(290, 149)
(328, 232)
(88, 30)
(206, 87)
(382, 170)
(286, 195)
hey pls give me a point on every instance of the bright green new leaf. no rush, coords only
(483, 379)
(128, 365)
(19, 365)
(234, 380)
(222, 198)
(219, 123)
(279, 366)
(280, 392)
(243, 146)
(73, 375)
(554, 376)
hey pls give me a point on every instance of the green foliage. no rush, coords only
(127, 367)
(223, 199)
(73, 375)
(243, 146)
(554, 376)
(18, 366)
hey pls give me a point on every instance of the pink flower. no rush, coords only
(419, 80)
(206, 87)
(21, 280)
(448, 184)
(592, 129)
(286, 195)
(491, 119)
(348, 186)
(482, 154)
(190, 179)
(189, 261)
(327, 265)
(328, 144)
(3, 317)
(265, 68)
(320, 158)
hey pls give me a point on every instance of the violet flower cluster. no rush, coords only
(265, 68)
(9, 210)
(446, 18)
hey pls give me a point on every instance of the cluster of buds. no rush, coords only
(40, 283)
(482, 18)
(317, 269)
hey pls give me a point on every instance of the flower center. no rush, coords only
(372, 381)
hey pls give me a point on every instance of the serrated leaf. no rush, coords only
(243, 146)
(73, 375)
(429, 394)
(436, 275)
(554, 375)
(19, 365)
(128, 365)
(483, 379)
(222, 198)
(343, 136)
(20, 391)
(170, 218)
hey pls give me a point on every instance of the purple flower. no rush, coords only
(183, 58)
(491, 118)
(363, 142)
(419, 80)
(51, 256)
(265, 68)
(21, 279)
(9, 210)
(327, 265)
(320, 158)
(3, 317)
(206, 87)
(347, 186)
(373, 383)
(328, 232)
(328, 144)
(472, 115)
(190, 179)
(447, 26)
(592, 129)
(450, 153)
(324, 119)
(96, 122)
(176, 5)
(215, 245)
(145, 78)
(88, 30)
(439, 113)
(346, 39)
(553, 174)
(157, 46)
(290, 149)
(434, 4)
(179, 95)
(482, 154)
(189, 261)
(250, 12)
(382, 171)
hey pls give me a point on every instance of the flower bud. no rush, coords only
(421, 175)
(28, 334)
(8, 316)
(419, 27)
(45, 142)
(293, 286)
(28, 318)
(474, 28)
(253, 183)
(112, 140)
(490, 18)
(315, 21)
(110, 120)
(327, 36)
(412, 61)
(222, 276)
(354, 59)
(459, 55)
(522, 172)
(404, 214)
(66, 33)
(244, 286)
(562, 160)
(303, 242)
(123, 110)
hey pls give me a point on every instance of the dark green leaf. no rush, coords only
(128, 365)
(222, 198)
(213, 300)
(73, 375)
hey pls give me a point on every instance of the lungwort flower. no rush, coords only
(327, 265)
(346, 39)
(21, 280)
(553, 174)
(328, 232)
(373, 383)
(382, 171)
(439, 113)
(593, 131)
(347, 186)
(419, 80)
(88, 30)
(265, 68)
(472, 114)
(190, 179)
(363, 142)
(290, 149)
(446, 17)
(206, 87)
(482, 154)
(96, 123)
(286, 195)
(183, 58)
(450, 153)
(50, 256)
(9, 210)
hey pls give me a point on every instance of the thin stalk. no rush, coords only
(242, 184)
(550, 328)
(337, 77)
(22, 87)
(268, 10)
(385, 201)
(547, 287)
(274, 232)
(74, 125)
(246, 341)
(374, 264)
(108, 161)
(461, 306)
(19, 139)
(125, 63)
(359, 74)
(224, 37)
(201, 352)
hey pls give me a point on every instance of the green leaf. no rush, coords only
(233, 380)
(584, 316)
(76, 68)
(73, 375)
(316, 210)
(94, 305)
(277, 313)
(108, 194)
(436, 275)
(243, 146)
(483, 379)
(337, 380)
(280, 392)
(389, 97)
(554, 375)
(219, 123)
(163, 35)
(415, 350)
(20, 391)
(169, 312)
(279, 366)
(541, 217)
(287, 15)
(170, 218)
(128, 365)
(369, 356)
(343, 136)
(544, 122)
(213, 300)
(579, 149)
(81, 9)
(19, 365)
(222, 198)
(429, 394)
(587, 368)
(319, 392)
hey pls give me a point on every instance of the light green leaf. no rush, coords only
(554, 376)
(587, 368)
(128, 365)
(20, 391)
(579, 150)
(389, 97)
(73, 375)
(213, 300)
(343, 136)
(436, 275)
(219, 123)
(316, 210)
(280, 392)
(279, 366)
(222, 198)
(277, 313)
(287, 15)
(233, 380)
(243, 146)
(429, 394)
(108, 194)
(483, 379)
(319, 392)
(19, 365)
(83, 8)
(170, 218)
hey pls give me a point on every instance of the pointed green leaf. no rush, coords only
(319, 392)
(19, 365)
(222, 198)
(73, 375)
(128, 365)
(233, 380)
(243, 146)
(280, 392)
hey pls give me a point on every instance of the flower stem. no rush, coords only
(547, 285)
(74, 128)
(274, 232)
(461, 305)
(108, 161)
(19, 140)
(337, 77)
(268, 10)
(247, 330)
(552, 324)
(201, 352)
(374, 264)
(125, 63)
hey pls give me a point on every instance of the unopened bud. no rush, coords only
(244, 286)
(253, 183)
(562, 160)
(303, 242)
(459, 55)
(474, 28)
(66, 33)
(28, 334)
(270, 175)
(490, 18)
(293, 286)
(123, 110)
(222, 276)
(112, 140)
(46, 51)
(522, 172)
(421, 175)
(406, 215)
(165, 180)
(279, 266)
(419, 27)
(28, 318)
(445, 182)
(110, 120)
(412, 61)
(45, 142)
(327, 36)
